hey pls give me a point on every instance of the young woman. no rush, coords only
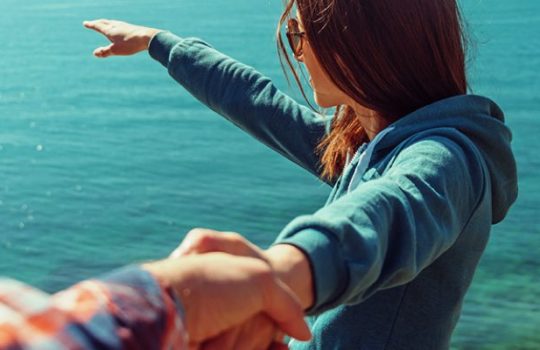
(420, 170)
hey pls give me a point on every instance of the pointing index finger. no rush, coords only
(97, 25)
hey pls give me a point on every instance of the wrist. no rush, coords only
(178, 279)
(142, 37)
(293, 268)
(149, 34)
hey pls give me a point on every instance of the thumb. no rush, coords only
(104, 51)
(283, 307)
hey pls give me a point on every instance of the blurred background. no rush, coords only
(109, 162)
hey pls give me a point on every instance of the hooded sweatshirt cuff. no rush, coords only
(161, 46)
(329, 272)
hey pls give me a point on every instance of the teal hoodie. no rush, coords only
(394, 249)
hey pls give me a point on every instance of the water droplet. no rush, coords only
(33, 124)
(24, 207)
(30, 218)
(21, 225)
(39, 148)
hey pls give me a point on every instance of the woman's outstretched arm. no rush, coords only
(232, 89)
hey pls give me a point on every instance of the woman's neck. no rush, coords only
(370, 120)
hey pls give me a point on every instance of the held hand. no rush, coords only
(202, 240)
(126, 39)
(220, 291)
(257, 333)
(289, 262)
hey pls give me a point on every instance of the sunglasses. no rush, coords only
(294, 36)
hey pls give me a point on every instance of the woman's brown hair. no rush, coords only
(391, 56)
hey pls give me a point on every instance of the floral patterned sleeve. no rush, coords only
(126, 309)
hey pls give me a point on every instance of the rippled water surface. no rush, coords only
(107, 162)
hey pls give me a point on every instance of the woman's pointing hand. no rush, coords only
(126, 39)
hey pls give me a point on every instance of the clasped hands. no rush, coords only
(235, 295)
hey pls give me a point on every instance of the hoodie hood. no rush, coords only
(482, 121)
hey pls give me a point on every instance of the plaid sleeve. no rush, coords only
(127, 309)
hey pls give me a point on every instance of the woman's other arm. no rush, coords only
(380, 235)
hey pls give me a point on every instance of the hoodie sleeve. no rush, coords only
(243, 96)
(385, 231)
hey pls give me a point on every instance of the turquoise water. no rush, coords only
(107, 162)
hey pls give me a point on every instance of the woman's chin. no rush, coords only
(323, 102)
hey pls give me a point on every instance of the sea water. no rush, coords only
(109, 162)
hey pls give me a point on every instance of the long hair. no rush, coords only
(391, 56)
